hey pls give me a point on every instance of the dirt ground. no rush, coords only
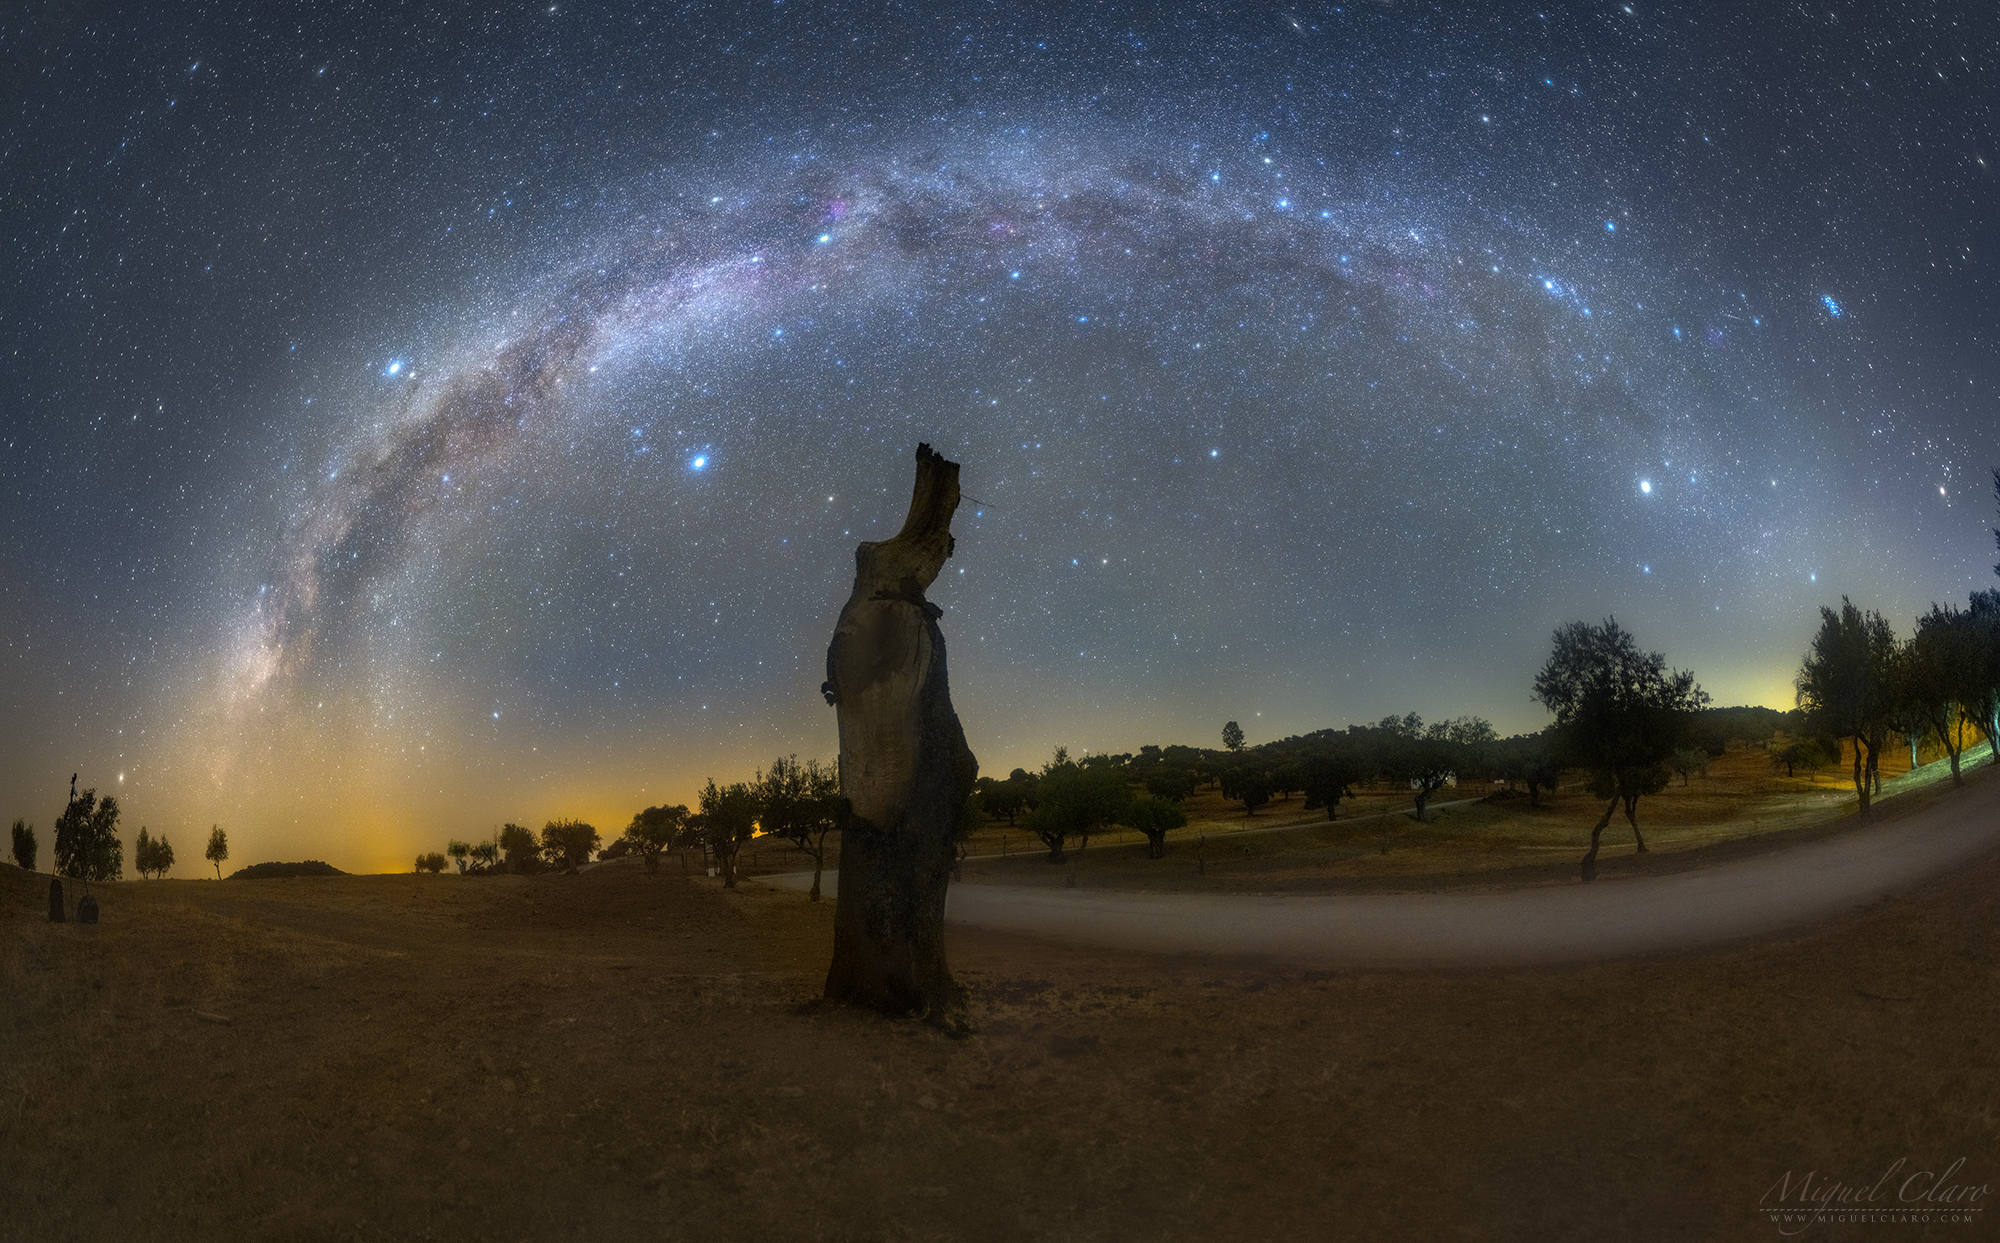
(617, 1055)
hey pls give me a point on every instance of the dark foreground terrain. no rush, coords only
(618, 1055)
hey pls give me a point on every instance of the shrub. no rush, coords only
(285, 871)
(25, 847)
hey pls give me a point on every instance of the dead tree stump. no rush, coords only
(905, 770)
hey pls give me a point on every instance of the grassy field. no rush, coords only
(615, 1055)
(1469, 838)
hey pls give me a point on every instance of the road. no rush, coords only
(1612, 918)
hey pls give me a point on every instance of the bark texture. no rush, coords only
(904, 767)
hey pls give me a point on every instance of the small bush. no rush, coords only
(285, 871)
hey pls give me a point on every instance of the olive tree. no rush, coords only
(728, 819)
(800, 803)
(568, 843)
(1846, 684)
(1620, 714)
(655, 829)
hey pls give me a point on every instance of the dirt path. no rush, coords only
(1615, 917)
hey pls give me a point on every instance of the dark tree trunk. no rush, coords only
(1860, 775)
(904, 767)
(1590, 859)
(1632, 818)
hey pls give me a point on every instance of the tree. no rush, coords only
(728, 819)
(1429, 758)
(25, 846)
(218, 848)
(1689, 761)
(1232, 736)
(518, 843)
(87, 844)
(1846, 684)
(1619, 715)
(458, 852)
(1945, 668)
(485, 856)
(432, 863)
(1803, 754)
(1330, 774)
(1155, 817)
(568, 843)
(1526, 758)
(654, 830)
(800, 803)
(1006, 799)
(1074, 801)
(152, 855)
(1170, 783)
(1248, 782)
(904, 766)
(1984, 707)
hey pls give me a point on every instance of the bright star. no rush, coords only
(1646, 486)
(1832, 307)
(700, 463)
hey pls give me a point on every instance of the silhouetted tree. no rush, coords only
(1155, 817)
(1945, 677)
(458, 852)
(25, 846)
(1249, 783)
(568, 843)
(1006, 799)
(485, 856)
(1620, 714)
(728, 819)
(518, 843)
(432, 862)
(1170, 783)
(654, 830)
(1526, 758)
(1074, 801)
(218, 848)
(152, 855)
(1329, 775)
(87, 844)
(1804, 754)
(1846, 684)
(1429, 758)
(1984, 708)
(1232, 736)
(800, 803)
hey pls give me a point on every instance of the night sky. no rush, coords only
(419, 420)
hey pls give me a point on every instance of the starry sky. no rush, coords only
(419, 418)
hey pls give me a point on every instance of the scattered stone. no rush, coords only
(209, 1016)
(55, 901)
(86, 910)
